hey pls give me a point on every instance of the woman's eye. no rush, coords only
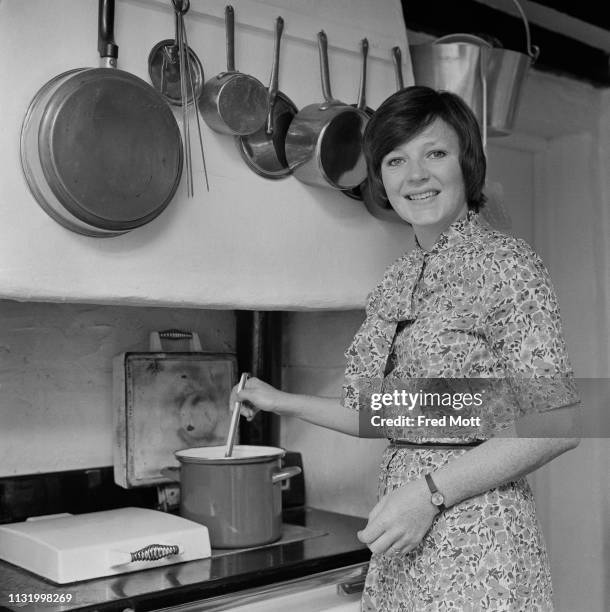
(393, 161)
(437, 154)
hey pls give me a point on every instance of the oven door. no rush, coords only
(333, 591)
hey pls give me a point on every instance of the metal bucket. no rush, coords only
(455, 67)
(488, 79)
(506, 71)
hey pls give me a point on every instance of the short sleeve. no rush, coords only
(525, 334)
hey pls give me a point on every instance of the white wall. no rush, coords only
(56, 410)
(247, 243)
(340, 471)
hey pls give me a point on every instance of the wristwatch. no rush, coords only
(437, 497)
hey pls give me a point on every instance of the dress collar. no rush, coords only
(457, 232)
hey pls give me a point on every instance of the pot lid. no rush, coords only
(216, 454)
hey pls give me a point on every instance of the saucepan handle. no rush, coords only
(286, 473)
(171, 472)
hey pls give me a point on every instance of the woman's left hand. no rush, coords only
(399, 521)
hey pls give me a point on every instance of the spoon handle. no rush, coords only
(235, 417)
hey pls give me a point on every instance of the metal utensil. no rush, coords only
(357, 193)
(100, 147)
(264, 151)
(164, 67)
(324, 140)
(175, 70)
(397, 58)
(232, 102)
(361, 104)
(380, 208)
(235, 417)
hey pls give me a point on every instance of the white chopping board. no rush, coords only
(69, 548)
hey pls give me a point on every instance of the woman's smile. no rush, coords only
(421, 197)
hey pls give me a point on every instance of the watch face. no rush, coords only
(438, 499)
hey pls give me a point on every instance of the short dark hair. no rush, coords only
(409, 111)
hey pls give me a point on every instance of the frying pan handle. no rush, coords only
(324, 71)
(274, 81)
(230, 27)
(108, 50)
(397, 57)
(364, 46)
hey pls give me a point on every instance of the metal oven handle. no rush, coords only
(352, 585)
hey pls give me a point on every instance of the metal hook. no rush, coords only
(181, 6)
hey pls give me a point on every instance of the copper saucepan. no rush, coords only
(324, 140)
(265, 150)
(232, 102)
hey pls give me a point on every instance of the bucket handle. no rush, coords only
(532, 50)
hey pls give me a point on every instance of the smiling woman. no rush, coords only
(422, 156)
(469, 307)
(423, 178)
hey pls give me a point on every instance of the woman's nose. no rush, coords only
(416, 172)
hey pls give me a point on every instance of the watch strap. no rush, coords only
(435, 494)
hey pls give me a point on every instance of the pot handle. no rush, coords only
(289, 472)
(171, 472)
(397, 57)
(107, 48)
(325, 72)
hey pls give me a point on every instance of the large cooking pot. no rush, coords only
(100, 148)
(238, 498)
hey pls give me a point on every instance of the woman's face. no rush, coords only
(423, 178)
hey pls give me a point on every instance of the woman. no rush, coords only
(455, 525)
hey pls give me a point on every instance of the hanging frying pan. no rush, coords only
(100, 148)
(324, 141)
(378, 206)
(264, 151)
(232, 102)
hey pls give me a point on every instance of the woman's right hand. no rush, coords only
(258, 395)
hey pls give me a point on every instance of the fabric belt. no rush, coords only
(407, 444)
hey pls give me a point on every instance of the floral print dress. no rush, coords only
(478, 306)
